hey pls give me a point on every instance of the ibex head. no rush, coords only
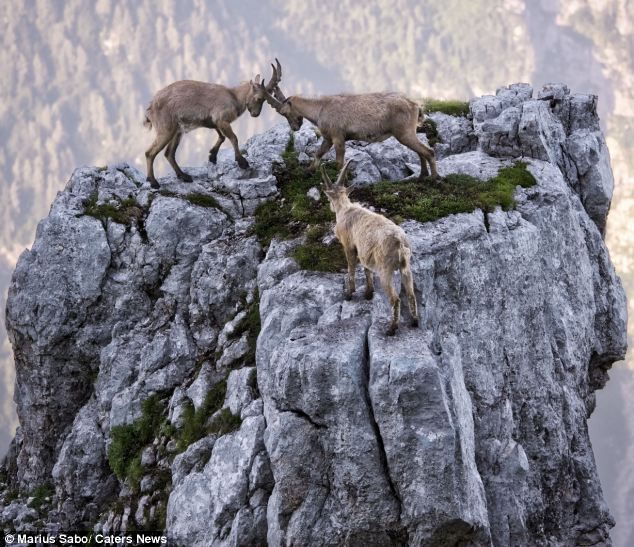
(336, 193)
(284, 107)
(258, 91)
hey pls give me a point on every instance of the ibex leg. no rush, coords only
(425, 154)
(225, 129)
(408, 284)
(159, 143)
(325, 145)
(395, 301)
(213, 153)
(170, 154)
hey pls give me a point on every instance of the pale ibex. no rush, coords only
(187, 104)
(371, 117)
(380, 245)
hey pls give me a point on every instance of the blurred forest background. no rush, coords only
(78, 74)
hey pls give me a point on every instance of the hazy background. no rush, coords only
(76, 77)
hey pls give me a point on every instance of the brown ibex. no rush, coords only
(380, 245)
(371, 117)
(188, 104)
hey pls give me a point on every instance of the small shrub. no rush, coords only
(452, 108)
(40, 494)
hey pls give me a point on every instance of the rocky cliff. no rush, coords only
(178, 366)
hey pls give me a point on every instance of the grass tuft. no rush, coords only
(195, 421)
(450, 107)
(225, 422)
(454, 194)
(124, 453)
(251, 325)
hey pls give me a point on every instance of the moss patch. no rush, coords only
(452, 108)
(454, 194)
(123, 213)
(195, 198)
(124, 453)
(290, 214)
(316, 255)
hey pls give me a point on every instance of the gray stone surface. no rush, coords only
(469, 430)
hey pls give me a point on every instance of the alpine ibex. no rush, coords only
(380, 245)
(187, 104)
(371, 117)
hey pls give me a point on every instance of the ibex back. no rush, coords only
(380, 245)
(367, 117)
(187, 104)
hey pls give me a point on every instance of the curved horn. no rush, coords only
(325, 178)
(278, 94)
(273, 101)
(276, 77)
(343, 174)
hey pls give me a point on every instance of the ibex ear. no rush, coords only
(256, 80)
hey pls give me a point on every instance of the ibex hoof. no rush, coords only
(391, 331)
(368, 295)
(242, 163)
(153, 182)
(347, 296)
(414, 322)
(185, 177)
(213, 158)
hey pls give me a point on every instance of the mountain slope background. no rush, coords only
(78, 76)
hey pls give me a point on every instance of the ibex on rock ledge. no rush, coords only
(371, 117)
(187, 104)
(380, 245)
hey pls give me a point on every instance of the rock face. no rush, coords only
(282, 413)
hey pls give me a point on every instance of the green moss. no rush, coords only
(315, 255)
(452, 108)
(431, 132)
(40, 494)
(290, 214)
(196, 198)
(129, 440)
(456, 193)
(195, 421)
(123, 213)
(225, 422)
